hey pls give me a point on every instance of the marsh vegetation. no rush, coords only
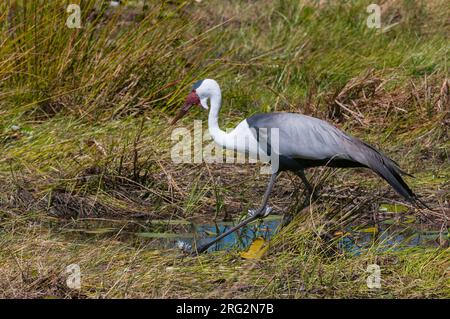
(85, 146)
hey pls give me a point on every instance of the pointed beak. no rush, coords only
(192, 99)
(181, 113)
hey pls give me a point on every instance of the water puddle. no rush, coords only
(240, 239)
(389, 237)
(396, 231)
(169, 234)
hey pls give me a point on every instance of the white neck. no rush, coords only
(216, 133)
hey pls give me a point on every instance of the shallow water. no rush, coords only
(392, 233)
(354, 240)
(239, 239)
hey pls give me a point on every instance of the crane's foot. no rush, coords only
(260, 213)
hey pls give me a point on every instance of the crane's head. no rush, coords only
(201, 91)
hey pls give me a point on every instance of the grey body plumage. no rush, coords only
(305, 142)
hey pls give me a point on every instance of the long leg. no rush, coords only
(261, 212)
(288, 217)
(305, 181)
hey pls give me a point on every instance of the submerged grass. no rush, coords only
(83, 133)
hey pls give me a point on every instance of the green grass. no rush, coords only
(84, 133)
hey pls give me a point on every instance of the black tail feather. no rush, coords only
(389, 171)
